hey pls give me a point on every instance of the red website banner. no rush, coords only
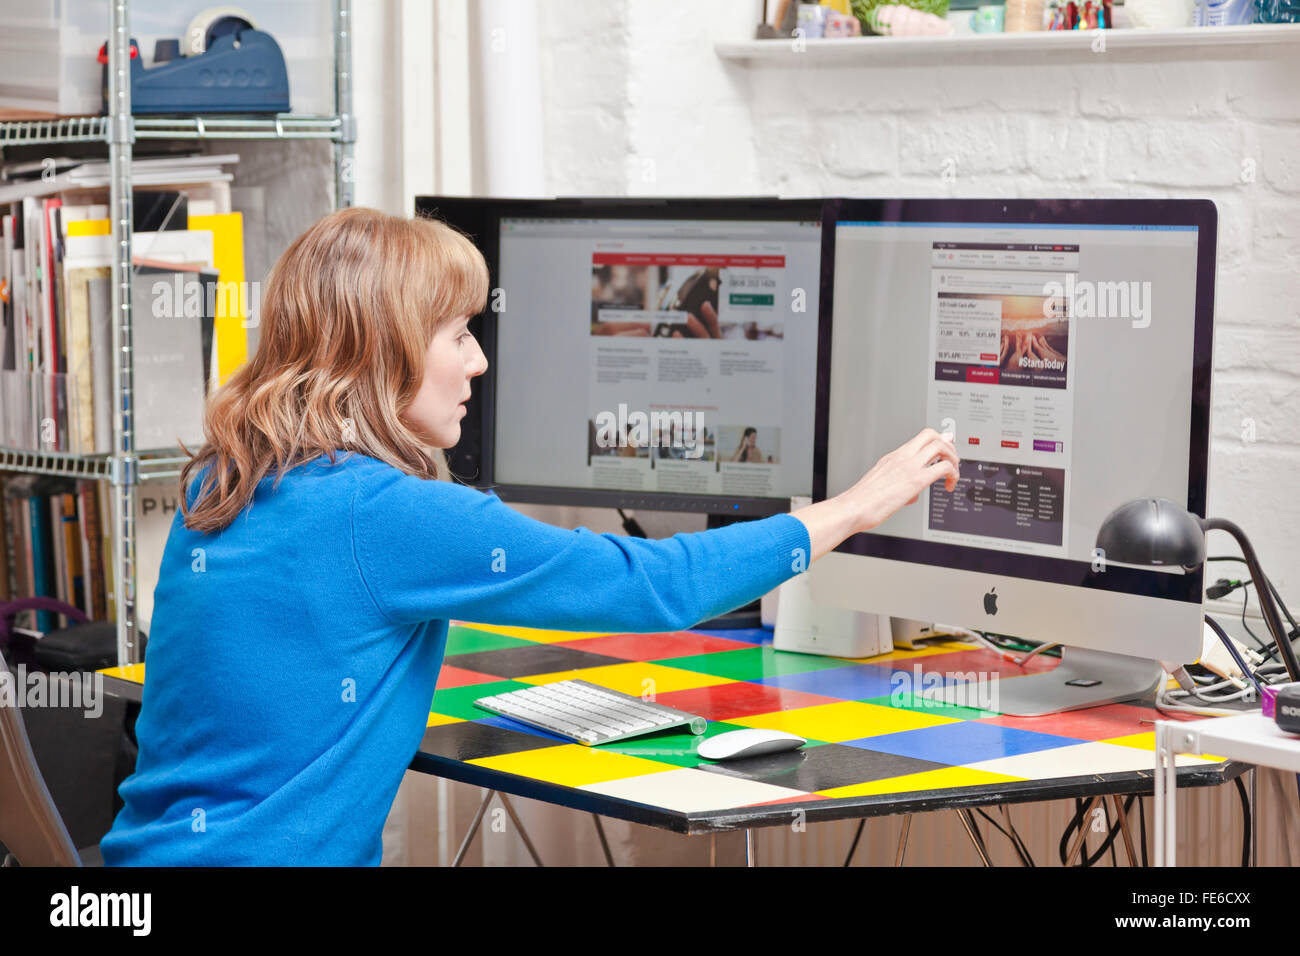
(686, 259)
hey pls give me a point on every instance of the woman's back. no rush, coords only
(275, 687)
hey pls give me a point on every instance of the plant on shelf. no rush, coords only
(911, 17)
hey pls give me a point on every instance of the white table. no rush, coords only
(1251, 738)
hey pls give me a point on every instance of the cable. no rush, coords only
(1277, 596)
(630, 525)
(1245, 603)
(1006, 815)
(1037, 650)
(955, 631)
(1077, 822)
(1014, 843)
(1142, 825)
(978, 837)
(1245, 832)
(1164, 706)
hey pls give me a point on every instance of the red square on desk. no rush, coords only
(1091, 723)
(654, 647)
(740, 699)
(459, 677)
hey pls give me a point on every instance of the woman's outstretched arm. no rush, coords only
(427, 549)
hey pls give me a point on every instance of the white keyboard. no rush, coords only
(587, 713)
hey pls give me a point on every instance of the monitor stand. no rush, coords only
(1118, 677)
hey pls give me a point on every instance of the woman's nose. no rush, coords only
(480, 365)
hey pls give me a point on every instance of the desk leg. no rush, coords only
(749, 848)
(1118, 803)
(604, 844)
(902, 839)
(1166, 787)
(523, 834)
(853, 847)
(968, 822)
(473, 827)
(1080, 841)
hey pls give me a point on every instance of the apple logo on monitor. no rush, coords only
(991, 601)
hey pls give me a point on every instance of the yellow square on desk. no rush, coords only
(927, 650)
(572, 765)
(532, 633)
(846, 720)
(1147, 741)
(945, 778)
(635, 678)
(131, 672)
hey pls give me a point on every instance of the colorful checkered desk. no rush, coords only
(871, 751)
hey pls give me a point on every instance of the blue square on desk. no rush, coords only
(854, 682)
(505, 723)
(964, 742)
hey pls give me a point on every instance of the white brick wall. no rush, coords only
(644, 91)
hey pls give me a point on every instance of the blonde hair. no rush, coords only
(346, 320)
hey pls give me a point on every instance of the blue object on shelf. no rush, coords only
(239, 72)
(1277, 11)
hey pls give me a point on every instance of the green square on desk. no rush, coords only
(470, 640)
(679, 747)
(753, 663)
(459, 701)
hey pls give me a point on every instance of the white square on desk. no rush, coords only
(1079, 760)
(691, 791)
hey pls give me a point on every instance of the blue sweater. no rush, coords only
(293, 655)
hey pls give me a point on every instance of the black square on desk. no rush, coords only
(525, 661)
(471, 740)
(822, 767)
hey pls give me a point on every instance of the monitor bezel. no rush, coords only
(1201, 213)
(473, 459)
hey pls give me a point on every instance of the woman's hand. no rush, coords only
(899, 477)
(895, 480)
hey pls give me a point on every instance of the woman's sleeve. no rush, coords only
(438, 550)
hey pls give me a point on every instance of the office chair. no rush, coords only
(30, 825)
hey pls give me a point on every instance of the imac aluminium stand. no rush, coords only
(1084, 678)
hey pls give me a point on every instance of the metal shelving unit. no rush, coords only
(126, 467)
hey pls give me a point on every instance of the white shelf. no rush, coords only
(1068, 46)
(1251, 737)
(89, 129)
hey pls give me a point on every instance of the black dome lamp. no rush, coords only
(1157, 532)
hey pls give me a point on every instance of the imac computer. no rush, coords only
(645, 353)
(1066, 345)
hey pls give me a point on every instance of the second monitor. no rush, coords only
(659, 354)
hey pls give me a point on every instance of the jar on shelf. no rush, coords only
(1023, 16)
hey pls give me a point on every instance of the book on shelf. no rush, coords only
(57, 347)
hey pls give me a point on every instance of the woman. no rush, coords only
(302, 603)
(748, 450)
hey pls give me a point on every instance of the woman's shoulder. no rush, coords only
(376, 479)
